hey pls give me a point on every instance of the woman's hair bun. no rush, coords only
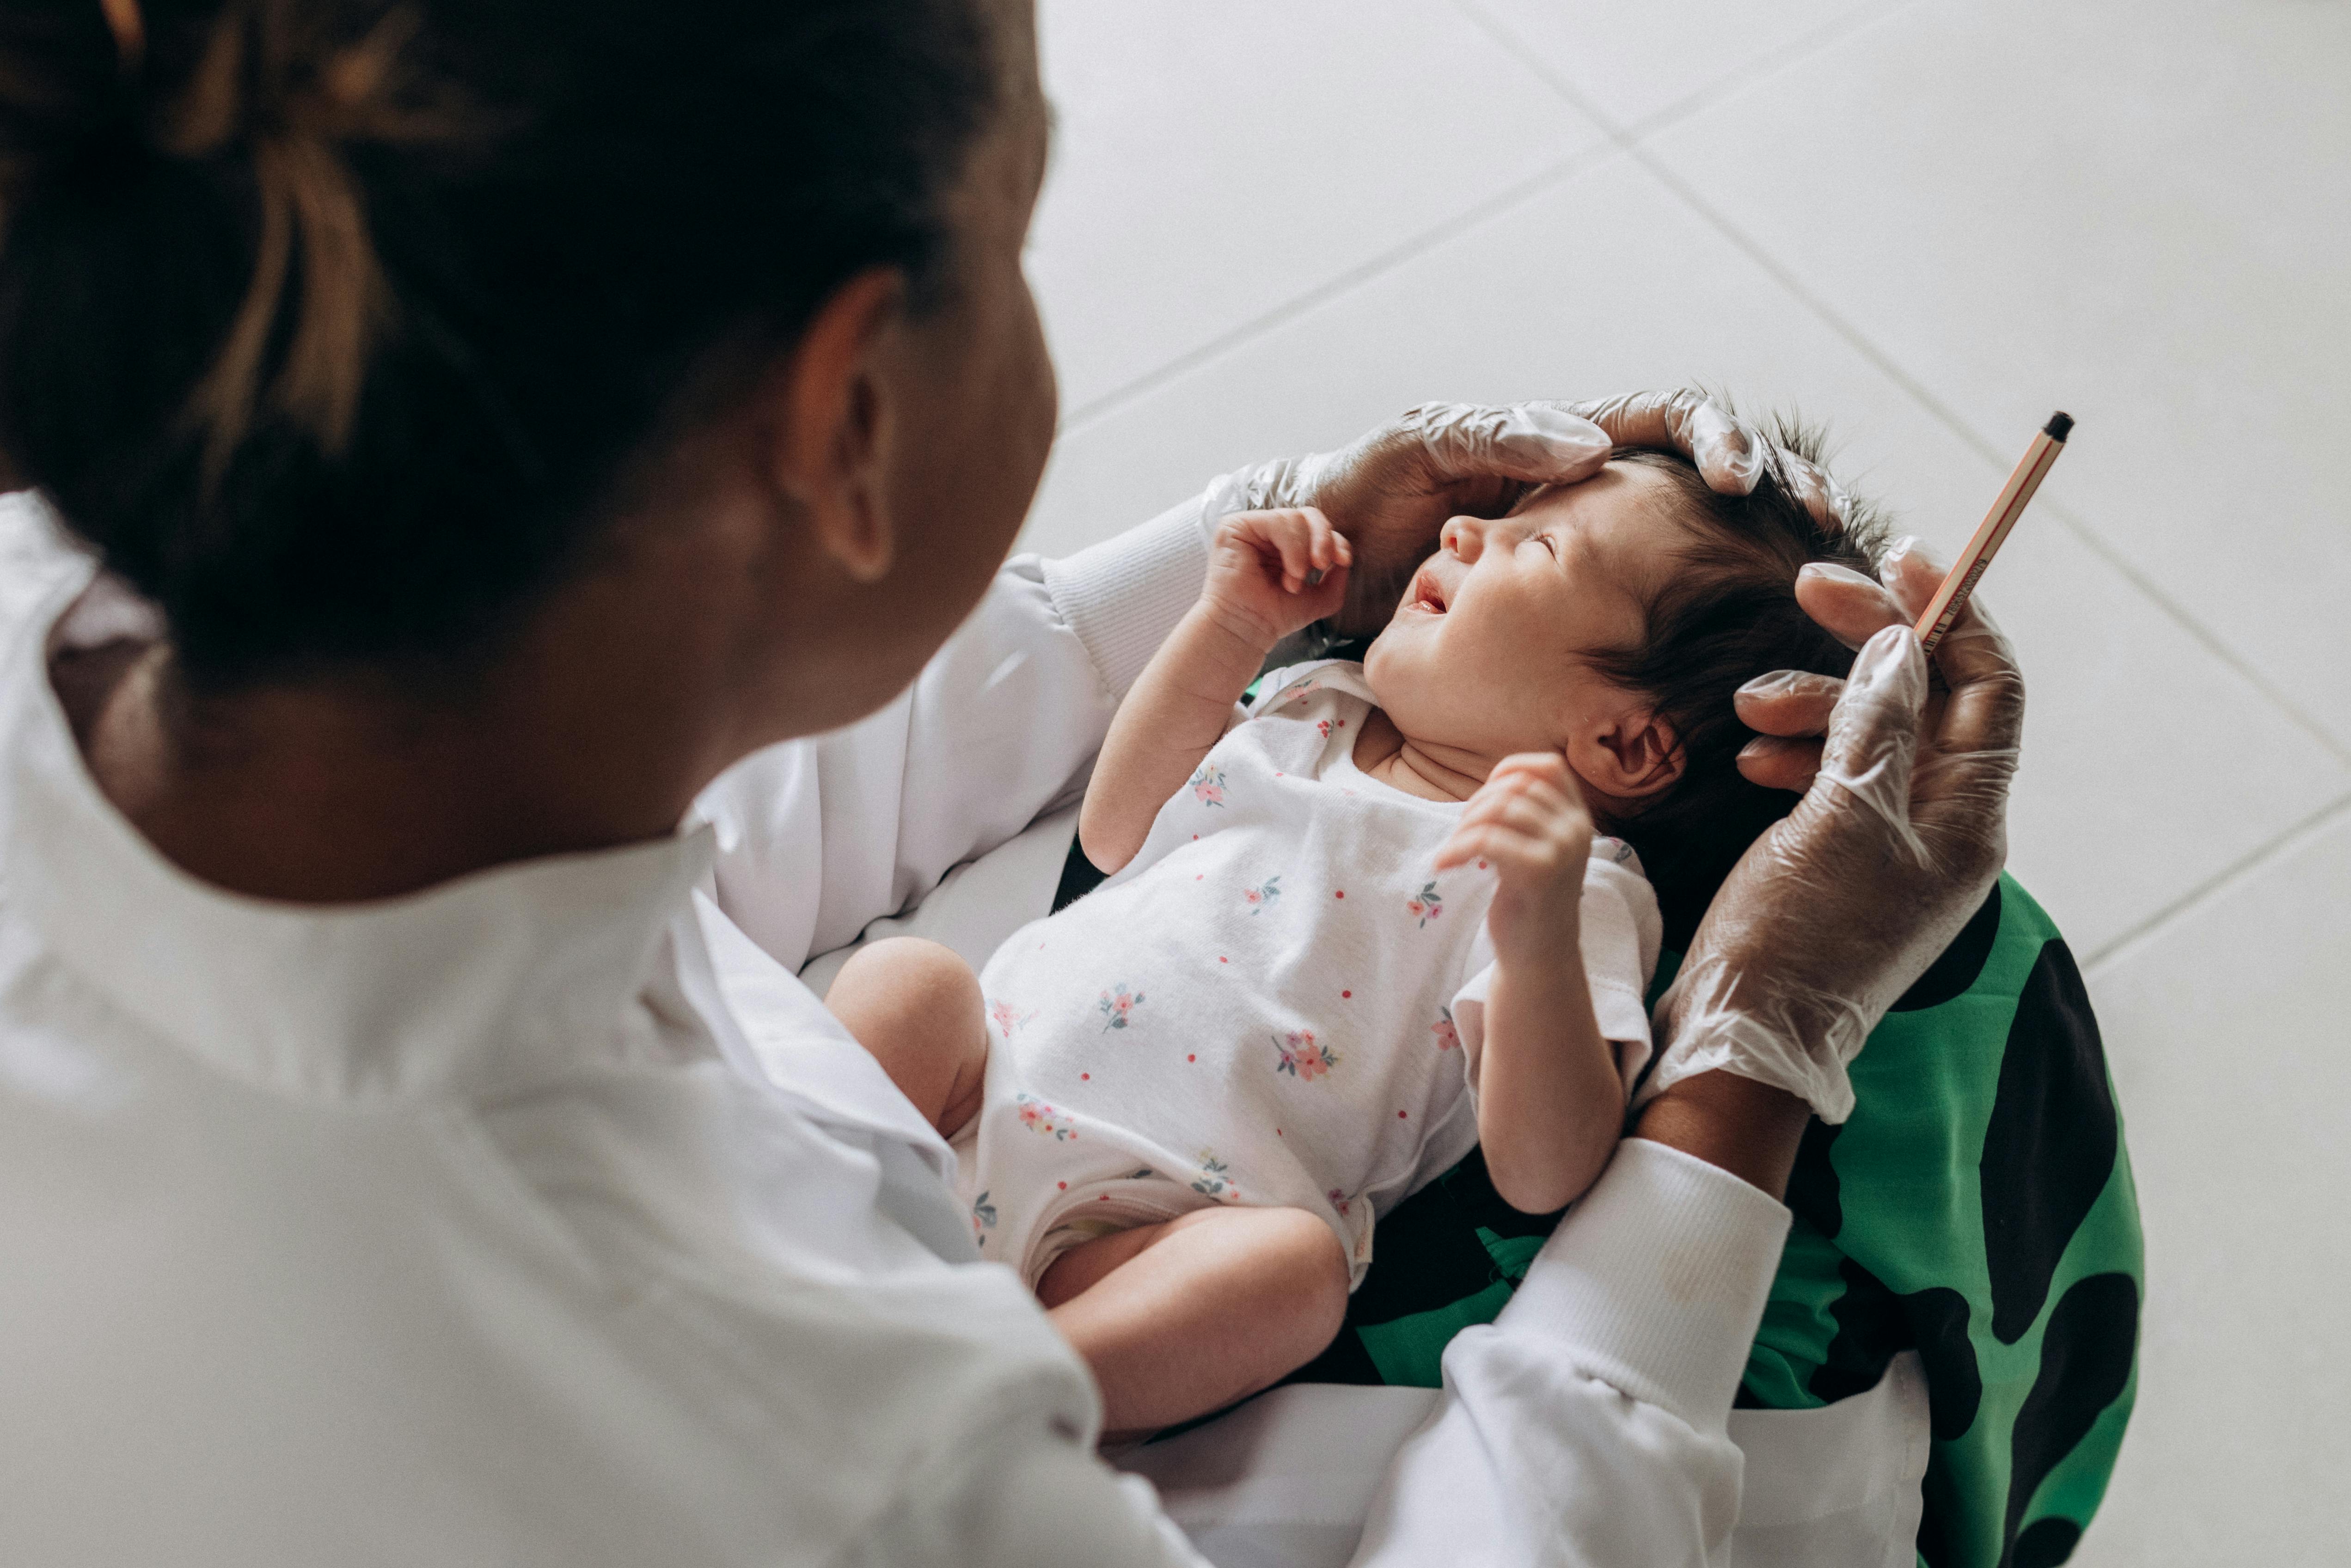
(330, 324)
(68, 81)
(94, 92)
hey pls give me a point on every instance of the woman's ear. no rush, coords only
(1632, 754)
(833, 425)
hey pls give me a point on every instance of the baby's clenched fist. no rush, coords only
(1529, 823)
(1271, 573)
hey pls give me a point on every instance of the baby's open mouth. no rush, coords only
(1426, 595)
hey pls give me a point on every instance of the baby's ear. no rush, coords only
(1633, 755)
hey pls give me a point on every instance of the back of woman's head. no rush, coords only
(331, 324)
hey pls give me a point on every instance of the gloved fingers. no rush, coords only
(1533, 442)
(1816, 489)
(1266, 486)
(1986, 711)
(1779, 762)
(1873, 734)
(1849, 606)
(1911, 574)
(1726, 452)
(1788, 702)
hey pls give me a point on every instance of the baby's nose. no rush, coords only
(1465, 536)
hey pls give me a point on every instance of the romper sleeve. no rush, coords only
(819, 837)
(1621, 931)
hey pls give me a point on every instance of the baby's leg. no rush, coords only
(1182, 1318)
(917, 1007)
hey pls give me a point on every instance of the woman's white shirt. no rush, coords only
(545, 1217)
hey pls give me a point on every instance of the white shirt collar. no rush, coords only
(490, 980)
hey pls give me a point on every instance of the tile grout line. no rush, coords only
(1099, 408)
(1753, 71)
(1935, 406)
(2116, 949)
(1109, 402)
(2089, 537)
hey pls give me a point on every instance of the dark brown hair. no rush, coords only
(330, 323)
(1725, 614)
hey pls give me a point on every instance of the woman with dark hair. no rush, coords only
(461, 429)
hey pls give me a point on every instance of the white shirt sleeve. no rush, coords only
(1621, 931)
(819, 837)
(1028, 1505)
(1586, 1427)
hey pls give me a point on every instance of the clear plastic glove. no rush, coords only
(1730, 455)
(1391, 490)
(1838, 909)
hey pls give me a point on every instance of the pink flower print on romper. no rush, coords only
(1044, 1119)
(1301, 1058)
(1447, 1037)
(1260, 897)
(1007, 1018)
(1116, 1006)
(1324, 726)
(1208, 785)
(1428, 906)
(1339, 1200)
(1212, 1178)
(1301, 691)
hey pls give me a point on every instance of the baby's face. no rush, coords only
(1487, 653)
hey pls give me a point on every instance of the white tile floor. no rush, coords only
(1269, 226)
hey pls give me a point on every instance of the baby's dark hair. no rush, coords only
(1725, 614)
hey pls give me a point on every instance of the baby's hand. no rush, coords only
(1259, 567)
(1529, 823)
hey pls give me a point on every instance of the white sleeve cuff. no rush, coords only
(1655, 1282)
(1122, 597)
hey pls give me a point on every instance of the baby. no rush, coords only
(1360, 924)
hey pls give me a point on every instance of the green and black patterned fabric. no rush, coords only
(1978, 1205)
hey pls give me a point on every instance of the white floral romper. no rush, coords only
(1277, 1003)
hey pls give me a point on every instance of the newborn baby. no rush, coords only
(1360, 924)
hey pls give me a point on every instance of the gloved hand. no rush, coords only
(1837, 909)
(1391, 490)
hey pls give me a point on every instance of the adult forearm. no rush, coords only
(1587, 1425)
(1124, 596)
(1747, 1128)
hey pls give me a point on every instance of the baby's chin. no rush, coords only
(1381, 667)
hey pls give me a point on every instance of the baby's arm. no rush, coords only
(1551, 1104)
(1256, 594)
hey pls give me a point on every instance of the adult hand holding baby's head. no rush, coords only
(1902, 829)
(1731, 456)
(1390, 491)
(1791, 709)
